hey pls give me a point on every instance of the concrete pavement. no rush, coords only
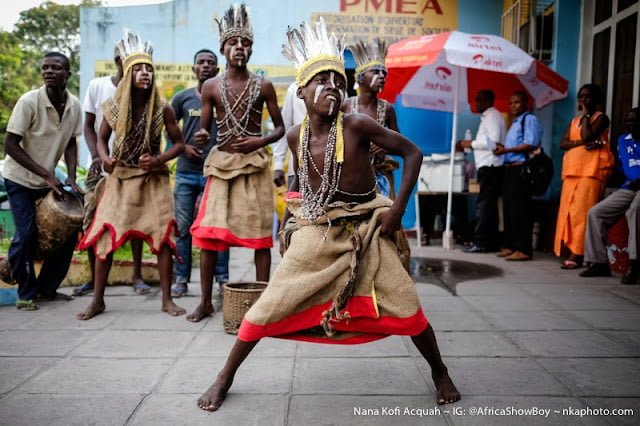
(519, 339)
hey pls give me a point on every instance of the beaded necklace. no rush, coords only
(238, 126)
(315, 203)
(381, 110)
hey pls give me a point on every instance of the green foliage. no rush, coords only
(18, 74)
(41, 29)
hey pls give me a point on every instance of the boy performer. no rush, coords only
(341, 279)
(136, 202)
(237, 204)
(371, 75)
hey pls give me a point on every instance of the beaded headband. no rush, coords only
(369, 56)
(235, 23)
(312, 51)
(133, 50)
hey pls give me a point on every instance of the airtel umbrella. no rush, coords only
(444, 72)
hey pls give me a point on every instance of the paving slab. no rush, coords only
(610, 320)
(457, 321)
(40, 343)
(356, 410)
(602, 377)
(535, 320)
(138, 344)
(363, 376)
(570, 344)
(67, 410)
(599, 406)
(511, 302)
(238, 410)
(256, 375)
(508, 411)
(474, 343)
(502, 377)
(218, 344)
(14, 371)
(99, 376)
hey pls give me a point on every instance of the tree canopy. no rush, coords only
(48, 27)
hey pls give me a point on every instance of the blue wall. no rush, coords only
(177, 29)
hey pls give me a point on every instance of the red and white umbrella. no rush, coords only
(445, 71)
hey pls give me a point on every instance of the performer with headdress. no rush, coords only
(237, 204)
(137, 201)
(371, 75)
(341, 280)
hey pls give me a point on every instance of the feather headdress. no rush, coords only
(312, 50)
(133, 50)
(369, 56)
(235, 23)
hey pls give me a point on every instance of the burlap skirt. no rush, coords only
(237, 204)
(133, 205)
(304, 298)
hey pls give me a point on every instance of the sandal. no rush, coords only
(179, 290)
(57, 296)
(570, 264)
(26, 305)
(83, 289)
(140, 287)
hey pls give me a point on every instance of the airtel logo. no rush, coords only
(443, 72)
(478, 58)
(480, 38)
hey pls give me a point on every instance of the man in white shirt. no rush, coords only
(293, 112)
(492, 130)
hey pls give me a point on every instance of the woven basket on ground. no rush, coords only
(238, 298)
(57, 219)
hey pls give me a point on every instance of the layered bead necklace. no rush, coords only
(238, 126)
(381, 110)
(314, 202)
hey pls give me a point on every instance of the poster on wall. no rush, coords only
(391, 20)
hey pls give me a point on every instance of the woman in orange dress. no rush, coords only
(586, 166)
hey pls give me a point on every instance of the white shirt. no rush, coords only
(99, 91)
(293, 112)
(492, 130)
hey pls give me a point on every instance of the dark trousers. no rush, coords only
(485, 233)
(54, 267)
(518, 209)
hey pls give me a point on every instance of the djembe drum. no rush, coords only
(58, 217)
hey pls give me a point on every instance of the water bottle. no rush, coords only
(467, 137)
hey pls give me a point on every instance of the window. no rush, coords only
(529, 24)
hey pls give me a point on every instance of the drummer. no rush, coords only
(43, 127)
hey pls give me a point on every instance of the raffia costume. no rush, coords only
(339, 281)
(237, 203)
(134, 204)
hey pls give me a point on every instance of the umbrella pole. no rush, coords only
(447, 237)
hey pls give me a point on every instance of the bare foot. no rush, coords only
(172, 309)
(212, 399)
(446, 391)
(199, 313)
(92, 310)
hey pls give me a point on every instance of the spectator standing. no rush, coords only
(43, 127)
(524, 136)
(489, 168)
(586, 166)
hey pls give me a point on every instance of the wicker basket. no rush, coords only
(238, 298)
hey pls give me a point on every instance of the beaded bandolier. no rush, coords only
(239, 109)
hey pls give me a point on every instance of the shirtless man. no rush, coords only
(371, 75)
(237, 205)
(346, 195)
